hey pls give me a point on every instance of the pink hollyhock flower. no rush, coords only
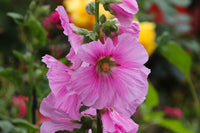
(125, 11)
(20, 102)
(58, 119)
(173, 112)
(114, 122)
(74, 39)
(115, 75)
(58, 76)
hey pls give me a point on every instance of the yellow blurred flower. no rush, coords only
(78, 14)
(148, 36)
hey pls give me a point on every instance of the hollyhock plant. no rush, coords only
(125, 11)
(114, 122)
(58, 119)
(115, 75)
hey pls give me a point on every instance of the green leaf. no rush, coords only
(177, 56)
(36, 34)
(25, 124)
(19, 55)
(18, 18)
(11, 75)
(174, 125)
(154, 116)
(6, 126)
(152, 98)
(93, 36)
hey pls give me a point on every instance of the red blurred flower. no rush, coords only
(195, 13)
(20, 102)
(173, 112)
(155, 9)
(182, 10)
(53, 18)
(57, 50)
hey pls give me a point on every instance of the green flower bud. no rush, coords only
(110, 29)
(102, 19)
(90, 8)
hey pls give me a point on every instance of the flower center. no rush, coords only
(105, 64)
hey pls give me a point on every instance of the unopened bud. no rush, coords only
(90, 8)
(108, 8)
(110, 29)
(102, 19)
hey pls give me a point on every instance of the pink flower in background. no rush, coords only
(114, 122)
(125, 11)
(57, 50)
(173, 112)
(53, 18)
(20, 102)
(58, 119)
(115, 75)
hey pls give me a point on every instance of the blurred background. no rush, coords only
(170, 32)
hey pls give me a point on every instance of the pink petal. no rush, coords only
(76, 62)
(74, 39)
(125, 11)
(58, 119)
(50, 126)
(114, 122)
(129, 49)
(57, 75)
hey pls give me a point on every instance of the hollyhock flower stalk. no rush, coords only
(103, 76)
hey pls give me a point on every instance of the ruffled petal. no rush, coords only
(130, 50)
(75, 60)
(50, 126)
(114, 122)
(74, 39)
(58, 119)
(125, 11)
(58, 74)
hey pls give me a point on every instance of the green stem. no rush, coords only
(99, 123)
(196, 102)
(97, 13)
